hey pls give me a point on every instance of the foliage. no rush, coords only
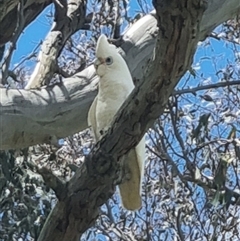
(191, 186)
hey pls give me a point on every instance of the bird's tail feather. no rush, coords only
(130, 190)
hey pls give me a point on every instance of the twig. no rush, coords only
(205, 87)
(28, 57)
(216, 36)
(180, 232)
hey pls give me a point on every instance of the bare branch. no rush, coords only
(206, 87)
(69, 17)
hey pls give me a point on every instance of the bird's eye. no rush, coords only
(109, 60)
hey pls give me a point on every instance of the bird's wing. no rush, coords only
(130, 190)
(92, 121)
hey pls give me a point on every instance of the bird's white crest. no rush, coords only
(104, 49)
(115, 85)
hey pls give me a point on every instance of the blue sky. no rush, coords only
(32, 36)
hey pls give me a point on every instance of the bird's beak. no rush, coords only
(97, 62)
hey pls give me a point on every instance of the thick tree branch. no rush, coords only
(47, 113)
(39, 110)
(69, 17)
(8, 12)
(53, 182)
(95, 180)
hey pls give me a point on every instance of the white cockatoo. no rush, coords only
(115, 85)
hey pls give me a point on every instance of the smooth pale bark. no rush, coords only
(38, 116)
(23, 111)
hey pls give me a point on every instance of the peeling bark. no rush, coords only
(69, 18)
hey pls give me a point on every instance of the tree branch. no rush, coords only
(69, 17)
(206, 87)
(95, 181)
(8, 20)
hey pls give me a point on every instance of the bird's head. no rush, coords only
(107, 57)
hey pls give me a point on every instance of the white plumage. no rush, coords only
(114, 87)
